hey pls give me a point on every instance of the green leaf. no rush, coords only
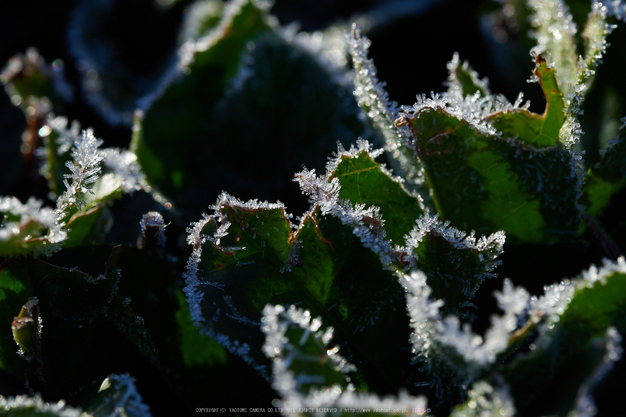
(300, 350)
(196, 349)
(252, 88)
(606, 178)
(88, 226)
(179, 111)
(538, 131)
(13, 294)
(246, 256)
(572, 342)
(454, 264)
(522, 181)
(364, 181)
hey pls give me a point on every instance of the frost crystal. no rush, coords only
(324, 400)
(25, 405)
(615, 8)
(123, 164)
(374, 100)
(555, 31)
(486, 401)
(85, 169)
(439, 343)
(122, 398)
(324, 193)
(33, 218)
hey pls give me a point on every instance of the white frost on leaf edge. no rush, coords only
(371, 96)
(282, 352)
(192, 278)
(36, 404)
(324, 194)
(186, 53)
(329, 400)
(121, 163)
(585, 403)
(485, 400)
(431, 331)
(31, 212)
(130, 402)
(557, 297)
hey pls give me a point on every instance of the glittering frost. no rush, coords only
(324, 400)
(125, 399)
(25, 405)
(123, 164)
(485, 401)
(85, 168)
(374, 100)
(31, 215)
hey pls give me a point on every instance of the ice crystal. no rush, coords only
(153, 228)
(66, 137)
(439, 343)
(124, 166)
(486, 401)
(85, 169)
(374, 100)
(25, 405)
(555, 31)
(325, 400)
(121, 397)
(31, 215)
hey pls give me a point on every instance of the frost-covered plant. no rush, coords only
(372, 301)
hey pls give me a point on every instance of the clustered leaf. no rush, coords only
(367, 303)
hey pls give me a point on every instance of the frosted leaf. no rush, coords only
(585, 404)
(118, 396)
(615, 8)
(440, 343)
(557, 297)
(124, 166)
(29, 227)
(555, 31)
(186, 53)
(85, 168)
(313, 394)
(35, 406)
(374, 100)
(486, 401)
(299, 365)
